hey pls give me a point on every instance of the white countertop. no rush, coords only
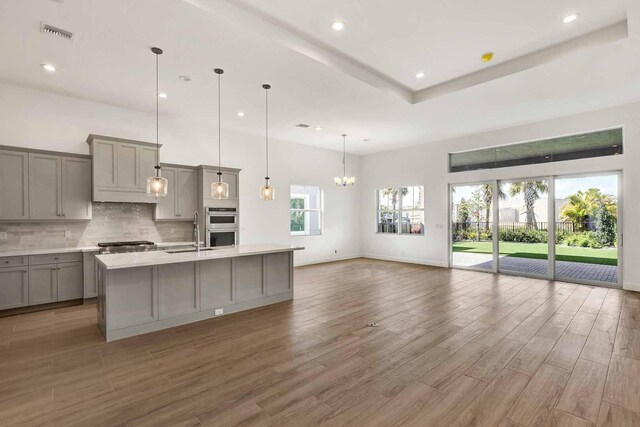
(144, 259)
(45, 251)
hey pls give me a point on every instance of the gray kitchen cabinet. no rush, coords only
(105, 171)
(249, 275)
(14, 287)
(167, 207)
(14, 185)
(278, 273)
(187, 188)
(181, 200)
(216, 283)
(209, 174)
(59, 187)
(43, 284)
(76, 188)
(69, 281)
(45, 186)
(90, 282)
(132, 295)
(120, 169)
(128, 166)
(178, 289)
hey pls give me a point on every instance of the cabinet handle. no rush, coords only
(6, 262)
(58, 268)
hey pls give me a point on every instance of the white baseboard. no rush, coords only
(420, 261)
(631, 286)
(313, 261)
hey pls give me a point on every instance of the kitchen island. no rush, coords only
(149, 291)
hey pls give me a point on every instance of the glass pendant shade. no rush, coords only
(345, 181)
(267, 192)
(157, 186)
(219, 190)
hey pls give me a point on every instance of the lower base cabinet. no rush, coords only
(43, 284)
(70, 281)
(14, 287)
(250, 278)
(55, 282)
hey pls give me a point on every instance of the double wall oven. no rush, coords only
(222, 225)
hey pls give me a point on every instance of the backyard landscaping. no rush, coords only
(607, 256)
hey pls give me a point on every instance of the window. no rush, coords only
(593, 144)
(400, 210)
(306, 210)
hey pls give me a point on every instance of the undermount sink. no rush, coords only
(180, 251)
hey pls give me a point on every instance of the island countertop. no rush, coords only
(142, 259)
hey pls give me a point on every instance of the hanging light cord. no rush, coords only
(266, 98)
(219, 134)
(157, 121)
(344, 155)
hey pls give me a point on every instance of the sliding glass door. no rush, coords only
(472, 226)
(587, 224)
(523, 227)
(561, 227)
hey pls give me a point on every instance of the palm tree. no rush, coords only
(393, 194)
(487, 193)
(532, 191)
(583, 206)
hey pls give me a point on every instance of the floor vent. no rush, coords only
(57, 32)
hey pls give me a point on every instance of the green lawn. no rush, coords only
(539, 251)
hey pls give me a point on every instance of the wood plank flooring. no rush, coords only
(453, 348)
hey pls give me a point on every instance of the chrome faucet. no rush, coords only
(196, 230)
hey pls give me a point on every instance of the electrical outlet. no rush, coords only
(219, 311)
(3, 235)
(172, 231)
(67, 234)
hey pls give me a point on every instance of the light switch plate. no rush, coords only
(67, 234)
(219, 311)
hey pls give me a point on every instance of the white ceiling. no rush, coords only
(110, 62)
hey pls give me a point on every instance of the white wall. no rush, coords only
(41, 120)
(427, 165)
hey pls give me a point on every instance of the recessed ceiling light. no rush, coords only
(338, 25)
(486, 57)
(419, 75)
(570, 18)
(318, 128)
(162, 95)
(48, 67)
(240, 114)
(184, 78)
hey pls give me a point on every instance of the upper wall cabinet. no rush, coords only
(59, 187)
(43, 185)
(209, 174)
(181, 200)
(14, 185)
(121, 168)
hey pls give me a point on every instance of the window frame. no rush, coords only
(398, 212)
(306, 197)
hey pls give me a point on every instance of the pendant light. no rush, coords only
(219, 189)
(345, 181)
(267, 192)
(157, 185)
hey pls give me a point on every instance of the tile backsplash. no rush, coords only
(111, 222)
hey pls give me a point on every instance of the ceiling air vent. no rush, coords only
(302, 125)
(58, 32)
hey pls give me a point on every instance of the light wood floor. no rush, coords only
(452, 348)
